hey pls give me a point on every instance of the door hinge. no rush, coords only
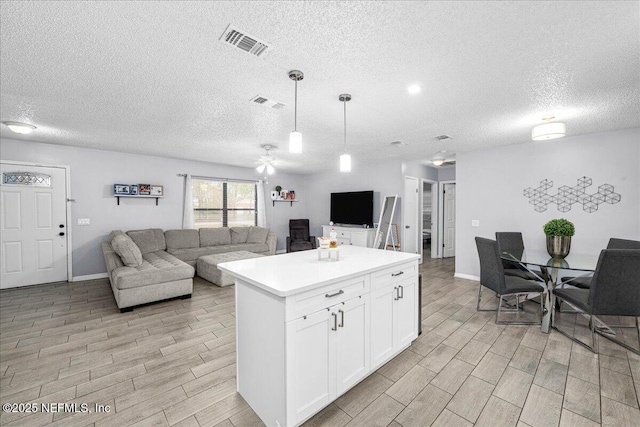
(443, 245)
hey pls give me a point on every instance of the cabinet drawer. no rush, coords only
(344, 234)
(382, 278)
(326, 296)
(343, 242)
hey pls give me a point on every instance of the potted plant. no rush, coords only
(278, 190)
(559, 232)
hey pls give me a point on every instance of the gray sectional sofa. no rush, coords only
(152, 265)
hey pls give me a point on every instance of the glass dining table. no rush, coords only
(548, 269)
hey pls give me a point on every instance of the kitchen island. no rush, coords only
(308, 330)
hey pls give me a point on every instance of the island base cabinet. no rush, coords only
(394, 320)
(328, 354)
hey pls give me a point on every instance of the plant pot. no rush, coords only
(558, 246)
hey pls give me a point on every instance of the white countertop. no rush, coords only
(289, 274)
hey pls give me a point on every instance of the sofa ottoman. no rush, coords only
(207, 267)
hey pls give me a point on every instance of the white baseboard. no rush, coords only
(467, 276)
(90, 277)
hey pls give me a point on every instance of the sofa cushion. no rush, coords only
(156, 267)
(239, 235)
(190, 255)
(149, 240)
(127, 249)
(257, 235)
(215, 236)
(182, 239)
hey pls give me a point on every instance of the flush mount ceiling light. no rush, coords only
(548, 130)
(266, 161)
(18, 127)
(414, 89)
(295, 137)
(345, 159)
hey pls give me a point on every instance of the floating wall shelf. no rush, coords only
(284, 201)
(117, 196)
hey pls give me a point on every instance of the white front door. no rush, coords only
(410, 215)
(449, 220)
(33, 220)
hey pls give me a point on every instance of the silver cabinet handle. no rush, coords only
(333, 295)
(401, 288)
(341, 318)
(397, 274)
(395, 291)
(335, 322)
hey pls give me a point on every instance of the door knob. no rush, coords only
(61, 226)
(406, 226)
(61, 233)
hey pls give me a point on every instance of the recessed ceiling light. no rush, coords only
(414, 89)
(18, 127)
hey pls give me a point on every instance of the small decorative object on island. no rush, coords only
(559, 232)
(333, 239)
(324, 242)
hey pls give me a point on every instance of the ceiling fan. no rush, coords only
(443, 159)
(266, 161)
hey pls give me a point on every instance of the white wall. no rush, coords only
(490, 186)
(93, 173)
(447, 173)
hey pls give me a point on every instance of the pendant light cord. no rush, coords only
(345, 123)
(295, 109)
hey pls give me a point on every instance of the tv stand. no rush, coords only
(351, 235)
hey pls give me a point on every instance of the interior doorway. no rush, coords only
(429, 218)
(449, 220)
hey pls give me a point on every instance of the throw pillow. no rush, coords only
(257, 235)
(215, 236)
(127, 249)
(239, 235)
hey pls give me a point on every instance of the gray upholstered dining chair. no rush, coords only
(511, 242)
(584, 282)
(492, 276)
(614, 291)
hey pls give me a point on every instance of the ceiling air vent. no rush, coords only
(259, 99)
(443, 137)
(240, 39)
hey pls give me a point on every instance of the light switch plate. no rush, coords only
(84, 221)
(475, 223)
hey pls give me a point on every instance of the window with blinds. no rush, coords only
(218, 203)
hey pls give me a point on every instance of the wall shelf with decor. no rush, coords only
(117, 196)
(284, 201)
(139, 191)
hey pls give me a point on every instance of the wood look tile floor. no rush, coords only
(173, 363)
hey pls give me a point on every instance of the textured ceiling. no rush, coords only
(152, 77)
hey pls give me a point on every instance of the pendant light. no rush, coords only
(295, 137)
(345, 159)
(548, 130)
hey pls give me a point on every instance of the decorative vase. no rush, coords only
(558, 246)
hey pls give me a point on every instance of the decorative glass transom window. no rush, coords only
(26, 178)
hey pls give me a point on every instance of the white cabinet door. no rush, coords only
(382, 327)
(359, 238)
(311, 365)
(406, 317)
(352, 342)
(343, 242)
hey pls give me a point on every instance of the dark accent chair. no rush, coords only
(492, 276)
(299, 238)
(584, 282)
(614, 291)
(512, 242)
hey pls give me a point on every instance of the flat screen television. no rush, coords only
(355, 207)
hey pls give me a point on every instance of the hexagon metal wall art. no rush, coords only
(567, 196)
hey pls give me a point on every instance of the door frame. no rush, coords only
(441, 215)
(417, 227)
(68, 200)
(434, 217)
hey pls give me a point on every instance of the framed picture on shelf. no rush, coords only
(144, 189)
(134, 190)
(157, 190)
(121, 189)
